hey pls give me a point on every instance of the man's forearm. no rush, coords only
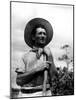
(29, 73)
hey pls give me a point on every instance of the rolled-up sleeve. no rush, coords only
(20, 70)
(21, 66)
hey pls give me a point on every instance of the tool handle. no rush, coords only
(45, 78)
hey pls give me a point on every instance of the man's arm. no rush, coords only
(27, 75)
(52, 67)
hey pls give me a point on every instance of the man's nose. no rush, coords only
(42, 35)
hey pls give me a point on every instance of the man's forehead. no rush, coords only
(40, 29)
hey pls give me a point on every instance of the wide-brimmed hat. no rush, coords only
(32, 24)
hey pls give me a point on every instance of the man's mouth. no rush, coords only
(42, 40)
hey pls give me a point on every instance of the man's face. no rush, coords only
(40, 36)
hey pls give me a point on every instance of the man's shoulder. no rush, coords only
(28, 53)
(48, 51)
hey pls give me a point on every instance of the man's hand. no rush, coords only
(46, 64)
(43, 65)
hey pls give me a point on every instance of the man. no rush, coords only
(39, 65)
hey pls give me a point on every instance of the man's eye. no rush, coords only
(39, 33)
(42, 33)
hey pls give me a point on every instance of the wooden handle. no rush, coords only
(44, 83)
(45, 78)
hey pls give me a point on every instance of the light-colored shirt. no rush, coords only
(34, 60)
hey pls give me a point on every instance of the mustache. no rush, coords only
(42, 38)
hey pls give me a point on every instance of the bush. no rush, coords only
(65, 84)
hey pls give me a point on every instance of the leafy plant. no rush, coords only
(64, 85)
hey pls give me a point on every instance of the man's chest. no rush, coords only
(31, 61)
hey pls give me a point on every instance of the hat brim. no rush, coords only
(30, 26)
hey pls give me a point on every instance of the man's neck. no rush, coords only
(37, 47)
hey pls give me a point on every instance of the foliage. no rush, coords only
(67, 56)
(64, 85)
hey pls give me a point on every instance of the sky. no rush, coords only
(60, 17)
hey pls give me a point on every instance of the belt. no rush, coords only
(33, 89)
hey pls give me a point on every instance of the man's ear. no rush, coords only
(33, 37)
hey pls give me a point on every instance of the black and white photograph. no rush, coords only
(41, 49)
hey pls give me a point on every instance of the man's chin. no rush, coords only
(42, 44)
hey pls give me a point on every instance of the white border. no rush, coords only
(5, 48)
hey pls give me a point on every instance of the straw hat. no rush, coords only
(32, 24)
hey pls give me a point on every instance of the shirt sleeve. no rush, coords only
(20, 70)
(20, 66)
